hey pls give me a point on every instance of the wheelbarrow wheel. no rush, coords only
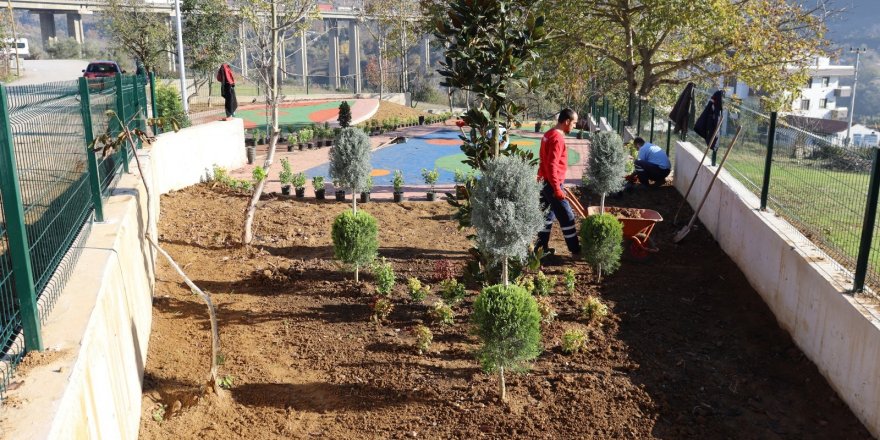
(639, 248)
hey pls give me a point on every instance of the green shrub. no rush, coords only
(546, 309)
(382, 308)
(606, 164)
(442, 313)
(344, 118)
(350, 159)
(398, 181)
(169, 107)
(543, 284)
(430, 177)
(355, 240)
(424, 337)
(417, 292)
(573, 340)
(509, 324)
(286, 174)
(569, 280)
(318, 182)
(259, 174)
(593, 310)
(452, 291)
(299, 180)
(601, 237)
(384, 274)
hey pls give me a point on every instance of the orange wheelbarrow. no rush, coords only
(636, 230)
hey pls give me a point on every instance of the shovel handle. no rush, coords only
(715, 177)
(696, 173)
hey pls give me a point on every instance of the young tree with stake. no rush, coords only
(607, 165)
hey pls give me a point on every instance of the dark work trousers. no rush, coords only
(648, 171)
(559, 210)
(227, 91)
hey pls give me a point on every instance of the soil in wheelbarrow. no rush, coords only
(624, 212)
(689, 349)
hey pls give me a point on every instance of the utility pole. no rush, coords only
(182, 69)
(14, 39)
(852, 106)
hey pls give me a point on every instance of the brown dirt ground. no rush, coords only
(689, 350)
(391, 110)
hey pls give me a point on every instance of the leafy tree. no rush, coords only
(505, 210)
(170, 108)
(607, 165)
(355, 239)
(344, 114)
(139, 31)
(395, 28)
(269, 23)
(206, 30)
(601, 236)
(350, 161)
(509, 324)
(669, 42)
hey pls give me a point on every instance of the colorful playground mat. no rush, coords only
(293, 114)
(440, 149)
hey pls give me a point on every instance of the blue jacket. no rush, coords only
(654, 155)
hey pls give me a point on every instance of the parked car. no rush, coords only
(8, 48)
(100, 74)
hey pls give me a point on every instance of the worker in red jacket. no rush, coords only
(551, 172)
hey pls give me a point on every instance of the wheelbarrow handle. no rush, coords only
(575, 203)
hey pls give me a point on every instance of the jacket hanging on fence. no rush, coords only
(681, 111)
(227, 89)
(710, 118)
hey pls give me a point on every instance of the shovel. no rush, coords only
(683, 232)
(696, 173)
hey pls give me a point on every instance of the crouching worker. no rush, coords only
(552, 166)
(652, 164)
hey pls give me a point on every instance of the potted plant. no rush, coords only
(290, 139)
(365, 194)
(430, 177)
(249, 140)
(299, 184)
(285, 176)
(251, 151)
(461, 180)
(398, 185)
(318, 185)
(538, 127)
(421, 119)
(307, 135)
(340, 192)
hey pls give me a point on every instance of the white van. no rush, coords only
(21, 46)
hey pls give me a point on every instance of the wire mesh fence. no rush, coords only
(49, 189)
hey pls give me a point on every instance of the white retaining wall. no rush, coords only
(89, 385)
(803, 287)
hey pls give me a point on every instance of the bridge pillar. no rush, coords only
(47, 27)
(75, 27)
(334, 54)
(354, 54)
(303, 58)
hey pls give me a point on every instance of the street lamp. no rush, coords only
(180, 57)
(852, 106)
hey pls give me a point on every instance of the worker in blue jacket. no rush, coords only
(652, 164)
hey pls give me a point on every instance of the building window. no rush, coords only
(805, 104)
(823, 103)
(825, 81)
(810, 82)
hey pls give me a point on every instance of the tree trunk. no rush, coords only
(354, 206)
(599, 275)
(602, 204)
(502, 386)
(357, 278)
(381, 66)
(504, 274)
(272, 95)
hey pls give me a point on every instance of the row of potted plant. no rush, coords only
(298, 182)
(375, 126)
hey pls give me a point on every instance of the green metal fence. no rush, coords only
(51, 183)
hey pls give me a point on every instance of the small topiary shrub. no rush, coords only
(543, 284)
(569, 280)
(573, 340)
(384, 274)
(286, 174)
(350, 161)
(417, 292)
(355, 239)
(607, 164)
(452, 291)
(509, 324)
(601, 237)
(442, 313)
(424, 338)
(593, 310)
(344, 118)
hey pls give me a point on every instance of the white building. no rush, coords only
(863, 136)
(823, 97)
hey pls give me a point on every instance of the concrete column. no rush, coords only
(303, 57)
(47, 27)
(75, 27)
(334, 54)
(242, 43)
(354, 54)
(426, 53)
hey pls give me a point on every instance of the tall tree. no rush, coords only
(397, 30)
(208, 26)
(666, 42)
(137, 30)
(270, 21)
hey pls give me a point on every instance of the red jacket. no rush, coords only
(553, 162)
(225, 75)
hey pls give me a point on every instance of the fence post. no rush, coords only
(652, 126)
(120, 113)
(94, 173)
(639, 119)
(15, 232)
(668, 136)
(768, 161)
(153, 101)
(868, 225)
(307, 85)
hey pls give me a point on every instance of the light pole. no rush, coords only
(182, 69)
(852, 106)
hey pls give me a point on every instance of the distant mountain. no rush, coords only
(859, 24)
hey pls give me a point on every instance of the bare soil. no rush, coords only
(625, 212)
(688, 351)
(388, 110)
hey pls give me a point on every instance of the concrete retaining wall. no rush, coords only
(87, 385)
(803, 287)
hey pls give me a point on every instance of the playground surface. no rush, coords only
(298, 113)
